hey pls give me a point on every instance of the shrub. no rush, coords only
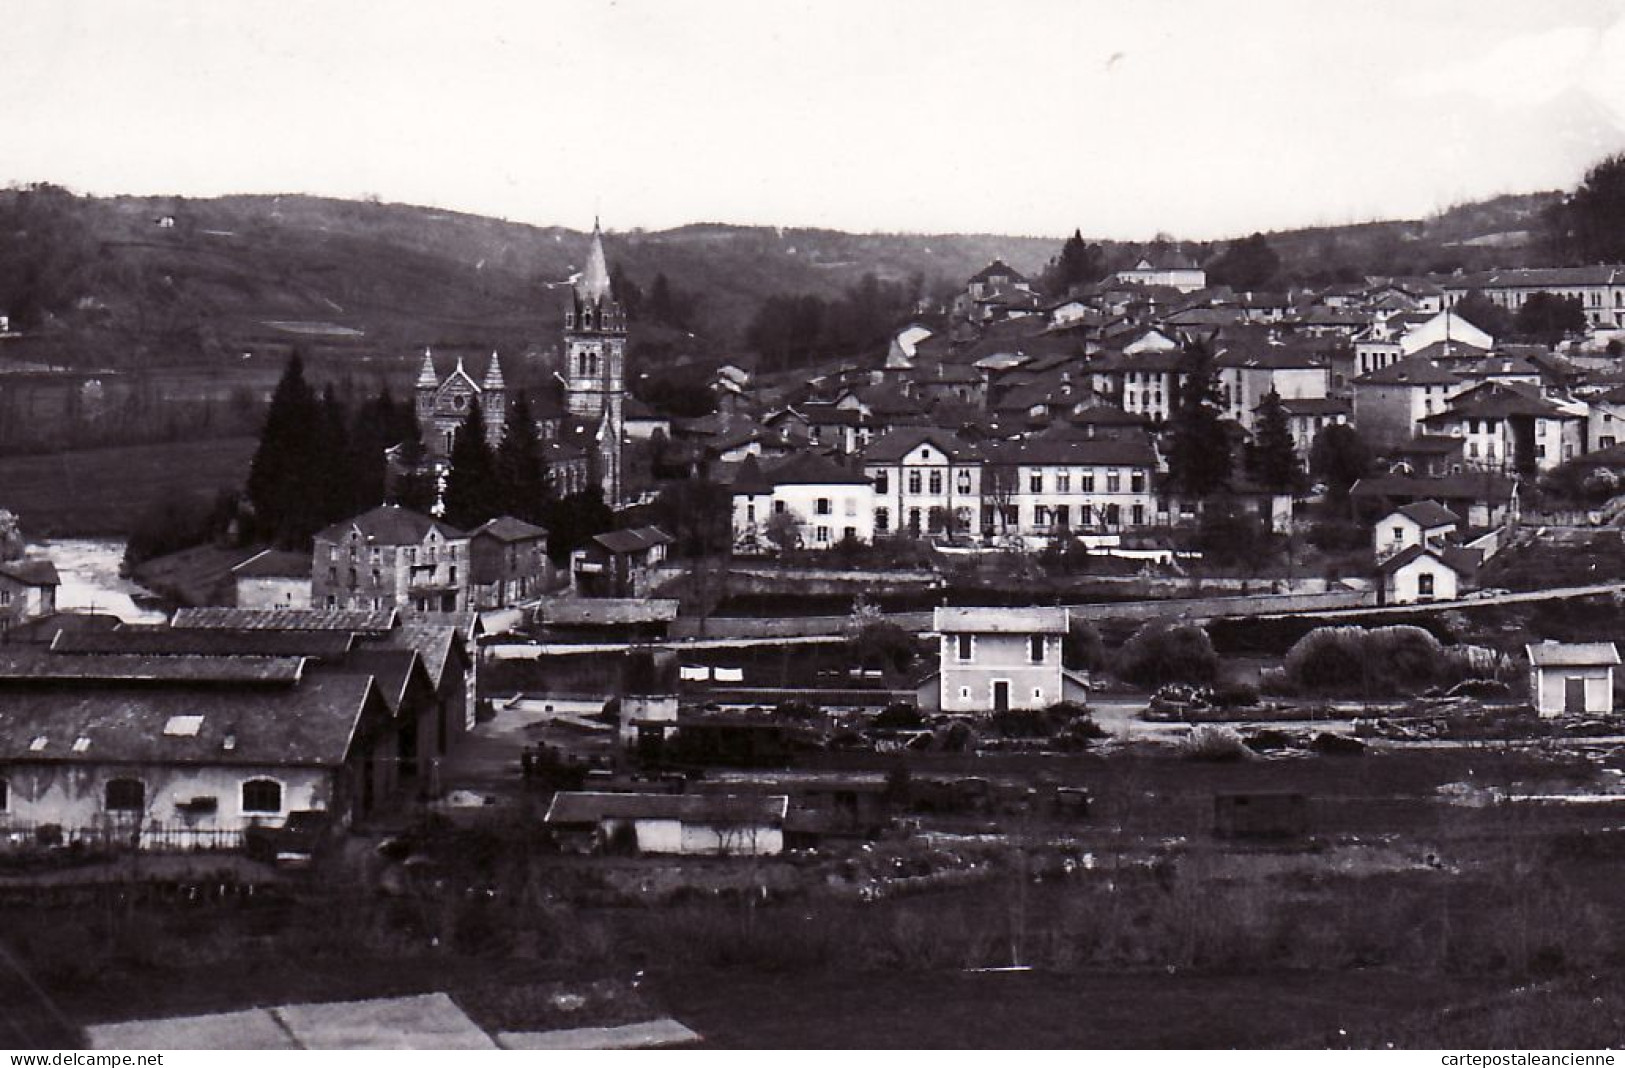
(1083, 649)
(1235, 695)
(1213, 743)
(899, 715)
(1382, 660)
(1159, 654)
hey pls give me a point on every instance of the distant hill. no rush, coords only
(158, 281)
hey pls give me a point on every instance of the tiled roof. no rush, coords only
(892, 447)
(1465, 487)
(810, 469)
(607, 611)
(584, 807)
(1074, 450)
(26, 665)
(311, 723)
(274, 563)
(507, 528)
(634, 540)
(353, 620)
(999, 620)
(1429, 514)
(31, 571)
(390, 524)
(165, 640)
(1412, 371)
(1577, 654)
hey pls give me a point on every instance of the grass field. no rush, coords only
(101, 492)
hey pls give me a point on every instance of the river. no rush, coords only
(89, 571)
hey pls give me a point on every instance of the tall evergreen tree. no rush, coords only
(414, 485)
(1199, 453)
(371, 433)
(332, 477)
(284, 511)
(1340, 458)
(473, 493)
(1272, 461)
(1079, 263)
(522, 483)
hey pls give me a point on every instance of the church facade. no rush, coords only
(594, 376)
(443, 403)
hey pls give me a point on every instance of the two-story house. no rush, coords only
(826, 503)
(998, 659)
(1421, 523)
(508, 562)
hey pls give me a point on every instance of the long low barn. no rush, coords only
(686, 824)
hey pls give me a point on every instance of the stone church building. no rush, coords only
(595, 337)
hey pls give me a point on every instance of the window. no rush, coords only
(1035, 482)
(882, 482)
(1114, 482)
(1424, 584)
(882, 520)
(5, 796)
(1063, 482)
(822, 535)
(125, 795)
(778, 507)
(821, 506)
(1087, 482)
(262, 795)
(1086, 514)
(454, 574)
(964, 643)
(936, 482)
(1399, 534)
(962, 481)
(1035, 648)
(1137, 482)
(914, 482)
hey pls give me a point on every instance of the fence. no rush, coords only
(113, 836)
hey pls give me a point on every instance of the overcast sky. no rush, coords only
(1023, 116)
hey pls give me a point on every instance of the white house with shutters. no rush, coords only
(999, 659)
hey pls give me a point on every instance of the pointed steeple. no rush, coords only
(594, 283)
(426, 376)
(493, 374)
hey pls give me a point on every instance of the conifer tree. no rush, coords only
(1272, 461)
(473, 493)
(284, 510)
(519, 465)
(1199, 453)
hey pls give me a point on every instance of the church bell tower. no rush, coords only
(594, 364)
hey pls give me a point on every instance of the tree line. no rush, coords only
(796, 329)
